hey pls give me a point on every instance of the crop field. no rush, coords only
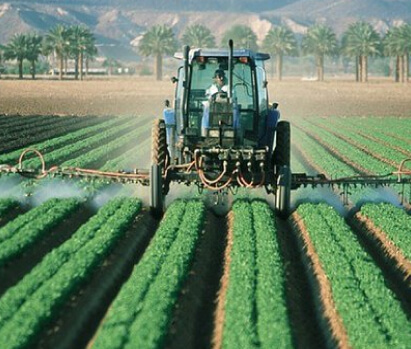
(83, 264)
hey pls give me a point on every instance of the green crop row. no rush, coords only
(16, 120)
(54, 143)
(350, 151)
(354, 154)
(26, 132)
(6, 205)
(396, 128)
(40, 120)
(363, 127)
(351, 135)
(103, 151)
(126, 161)
(130, 158)
(296, 165)
(56, 157)
(26, 229)
(319, 156)
(141, 313)
(26, 307)
(393, 221)
(255, 305)
(371, 313)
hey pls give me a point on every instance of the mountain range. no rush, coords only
(118, 24)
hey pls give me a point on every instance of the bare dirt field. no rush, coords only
(141, 96)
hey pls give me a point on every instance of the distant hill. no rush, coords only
(118, 24)
(176, 5)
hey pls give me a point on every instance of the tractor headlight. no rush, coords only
(229, 133)
(214, 133)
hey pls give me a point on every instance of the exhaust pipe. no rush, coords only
(230, 70)
(186, 51)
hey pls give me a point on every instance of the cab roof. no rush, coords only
(198, 52)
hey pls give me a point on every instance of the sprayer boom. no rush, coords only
(192, 172)
(400, 177)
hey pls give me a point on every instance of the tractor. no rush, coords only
(223, 140)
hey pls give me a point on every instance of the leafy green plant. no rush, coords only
(7, 205)
(142, 311)
(393, 221)
(370, 311)
(26, 307)
(255, 304)
(29, 228)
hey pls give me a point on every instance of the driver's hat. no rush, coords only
(219, 73)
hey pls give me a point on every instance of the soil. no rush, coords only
(145, 96)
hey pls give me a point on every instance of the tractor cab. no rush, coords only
(232, 114)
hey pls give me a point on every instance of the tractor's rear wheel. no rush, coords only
(159, 159)
(281, 156)
(281, 162)
(283, 192)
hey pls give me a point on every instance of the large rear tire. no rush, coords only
(159, 159)
(281, 155)
(283, 192)
(281, 163)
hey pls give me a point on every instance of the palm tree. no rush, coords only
(81, 39)
(1, 59)
(158, 41)
(280, 41)
(111, 63)
(89, 55)
(397, 42)
(361, 41)
(242, 35)
(198, 35)
(34, 49)
(320, 41)
(57, 41)
(393, 49)
(17, 49)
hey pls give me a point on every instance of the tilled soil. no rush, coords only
(144, 95)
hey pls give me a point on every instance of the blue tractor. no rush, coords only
(224, 134)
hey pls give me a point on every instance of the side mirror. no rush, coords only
(174, 79)
(265, 83)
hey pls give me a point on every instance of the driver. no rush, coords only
(219, 85)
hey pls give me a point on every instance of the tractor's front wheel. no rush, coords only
(159, 159)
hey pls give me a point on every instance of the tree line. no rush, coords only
(74, 42)
(359, 42)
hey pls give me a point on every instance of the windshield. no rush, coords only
(203, 77)
(204, 70)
